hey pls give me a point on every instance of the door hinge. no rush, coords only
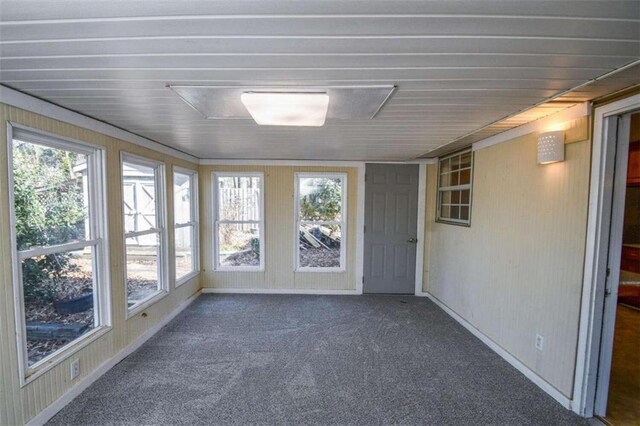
(366, 176)
(365, 228)
(607, 284)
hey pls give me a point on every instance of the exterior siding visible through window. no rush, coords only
(146, 254)
(455, 179)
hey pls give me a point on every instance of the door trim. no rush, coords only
(420, 221)
(420, 233)
(613, 261)
(360, 230)
(599, 214)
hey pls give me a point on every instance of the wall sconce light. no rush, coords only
(551, 147)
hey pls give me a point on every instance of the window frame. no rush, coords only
(440, 190)
(342, 222)
(160, 180)
(215, 176)
(194, 224)
(97, 239)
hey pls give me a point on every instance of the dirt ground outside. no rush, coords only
(320, 257)
(77, 283)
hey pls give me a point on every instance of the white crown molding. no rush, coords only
(427, 161)
(580, 110)
(299, 163)
(29, 103)
(416, 161)
(305, 163)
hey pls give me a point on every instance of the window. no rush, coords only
(455, 174)
(239, 221)
(60, 265)
(144, 206)
(320, 221)
(185, 217)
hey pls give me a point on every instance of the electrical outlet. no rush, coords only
(75, 369)
(539, 342)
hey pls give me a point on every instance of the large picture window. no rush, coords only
(144, 206)
(57, 202)
(320, 205)
(239, 221)
(455, 175)
(185, 213)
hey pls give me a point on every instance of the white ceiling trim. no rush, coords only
(572, 113)
(304, 16)
(301, 163)
(310, 54)
(23, 101)
(417, 161)
(316, 37)
(305, 163)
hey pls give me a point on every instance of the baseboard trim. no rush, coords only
(45, 415)
(518, 365)
(278, 291)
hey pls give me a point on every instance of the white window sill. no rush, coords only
(136, 309)
(320, 269)
(186, 278)
(49, 362)
(454, 222)
(239, 269)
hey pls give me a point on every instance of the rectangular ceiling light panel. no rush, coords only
(287, 109)
(225, 102)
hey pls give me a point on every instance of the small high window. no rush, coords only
(144, 205)
(60, 258)
(239, 221)
(185, 213)
(455, 175)
(320, 205)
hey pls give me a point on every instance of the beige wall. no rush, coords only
(279, 234)
(18, 405)
(517, 271)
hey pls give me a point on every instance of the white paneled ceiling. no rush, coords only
(459, 66)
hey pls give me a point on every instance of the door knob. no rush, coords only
(412, 240)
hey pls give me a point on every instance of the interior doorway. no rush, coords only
(617, 394)
(623, 393)
(391, 221)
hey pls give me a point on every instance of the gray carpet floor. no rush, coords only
(272, 359)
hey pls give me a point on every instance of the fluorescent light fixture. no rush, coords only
(551, 147)
(287, 108)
